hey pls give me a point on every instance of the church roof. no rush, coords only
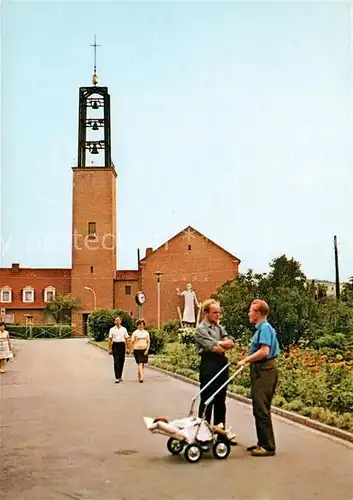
(189, 233)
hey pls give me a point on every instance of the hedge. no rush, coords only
(39, 332)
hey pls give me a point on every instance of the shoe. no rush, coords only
(261, 452)
(2, 371)
(117, 380)
(141, 381)
(252, 448)
(120, 379)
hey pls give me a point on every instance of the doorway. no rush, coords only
(85, 324)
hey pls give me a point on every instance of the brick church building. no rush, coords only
(188, 257)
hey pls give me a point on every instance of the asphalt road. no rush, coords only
(67, 431)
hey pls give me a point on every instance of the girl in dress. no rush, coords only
(140, 343)
(5, 346)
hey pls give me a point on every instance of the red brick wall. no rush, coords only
(206, 266)
(17, 278)
(39, 317)
(123, 301)
(93, 260)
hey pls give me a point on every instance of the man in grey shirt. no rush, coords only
(212, 342)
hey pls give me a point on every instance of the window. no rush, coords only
(6, 294)
(189, 247)
(91, 269)
(9, 318)
(127, 289)
(49, 294)
(28, 294)
(92, 230)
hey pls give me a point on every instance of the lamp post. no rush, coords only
(158, 275)
(94, 296)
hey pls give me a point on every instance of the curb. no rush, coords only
(288, 415)
(106, 350)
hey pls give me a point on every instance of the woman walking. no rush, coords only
(5, 346)
(140, 343)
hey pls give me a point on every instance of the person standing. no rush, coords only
(5, 346)
(118, 345)
(264, 349)
(140, 344)
(212, 343)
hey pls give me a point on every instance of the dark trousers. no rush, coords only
(118, 349)
(208, 369)
(264, 377)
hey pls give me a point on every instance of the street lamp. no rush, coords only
(158, 275)
(94, 296)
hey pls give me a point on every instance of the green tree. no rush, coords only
(347, 291)
(61, 307)
(100, 322)
(235, 297)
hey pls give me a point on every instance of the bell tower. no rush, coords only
(93, 206)
(94, 137)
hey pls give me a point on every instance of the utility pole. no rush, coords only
(337, 270)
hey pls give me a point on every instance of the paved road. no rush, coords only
(68, 432)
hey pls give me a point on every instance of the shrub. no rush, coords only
(100, 322)
(187, 335)
(18, 331)
(181, 356)
(295, 405)
(157, 340)
(171, 329)
(40, 332)
(239, 389)
(335, 341)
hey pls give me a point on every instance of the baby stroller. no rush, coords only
(194, 435)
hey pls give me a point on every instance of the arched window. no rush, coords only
(49, 294)
(28, 294)
(6, 294)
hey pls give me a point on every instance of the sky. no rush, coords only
(234, 118)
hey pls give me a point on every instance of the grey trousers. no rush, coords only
(264, 377)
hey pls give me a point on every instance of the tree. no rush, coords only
(62, 306)
(100, 322)
(347, 291)
(235, 297)
(285, 288)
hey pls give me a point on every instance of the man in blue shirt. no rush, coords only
(264, 350)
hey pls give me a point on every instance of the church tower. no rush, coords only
(93, 206)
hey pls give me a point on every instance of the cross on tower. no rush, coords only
(95, 76)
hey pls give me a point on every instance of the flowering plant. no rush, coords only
(186, 335)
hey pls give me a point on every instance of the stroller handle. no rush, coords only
(205, 387)
(210, 399)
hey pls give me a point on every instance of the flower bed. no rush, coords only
(315, 383)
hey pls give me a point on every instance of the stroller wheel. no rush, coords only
(193, 453)
(174, 446)
(221, 450)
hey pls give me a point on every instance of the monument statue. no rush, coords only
(190, 300)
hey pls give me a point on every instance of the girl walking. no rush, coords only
(140, 344)
(5, 347)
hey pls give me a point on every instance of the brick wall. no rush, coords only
(189, 257)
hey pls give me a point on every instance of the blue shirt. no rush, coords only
(265, 334)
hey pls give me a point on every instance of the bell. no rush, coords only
(95, 126)
(94, 150)
(95, 105)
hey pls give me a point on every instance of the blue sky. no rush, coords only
(234, 118)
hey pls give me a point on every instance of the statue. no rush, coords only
(190, 300)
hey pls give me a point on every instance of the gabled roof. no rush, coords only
(126, 275)
(188, 232)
